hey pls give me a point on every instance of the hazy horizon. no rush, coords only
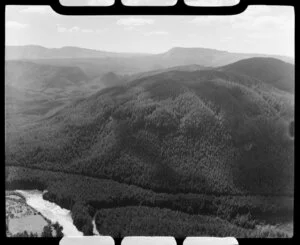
(145, 53)
(258, 30)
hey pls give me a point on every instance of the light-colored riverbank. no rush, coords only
(51, 211)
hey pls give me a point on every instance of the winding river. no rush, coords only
(52, 211)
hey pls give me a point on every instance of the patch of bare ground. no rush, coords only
(21, 218)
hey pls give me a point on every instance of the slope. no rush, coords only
(269, 70)
(204, 131)
(32, 90)
(29, 75)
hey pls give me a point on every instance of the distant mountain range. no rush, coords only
(209, 57)
(40, 52)
(174, 57)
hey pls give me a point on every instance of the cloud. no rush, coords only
(251, 14)
(87, 30)
(134, 21)
(153, 33)
(15, 25)
(254, 18)
(263, 22)
(61, 28)
(37, 10)
(64, 29)
(73, 29)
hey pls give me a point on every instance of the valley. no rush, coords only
(89, 197)
(155, 144)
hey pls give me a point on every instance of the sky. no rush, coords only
(259, 29)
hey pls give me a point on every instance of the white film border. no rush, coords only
(147, 240)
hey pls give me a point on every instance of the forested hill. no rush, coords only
(269, 70)
(206, 131)
(30, 75)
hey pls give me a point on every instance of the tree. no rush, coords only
(87, 229)
(21, 234)
(47, 231)
(82, 219)
(33, 234)
(58, 228)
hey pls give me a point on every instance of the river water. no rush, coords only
(51, 211)
(94, 228)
